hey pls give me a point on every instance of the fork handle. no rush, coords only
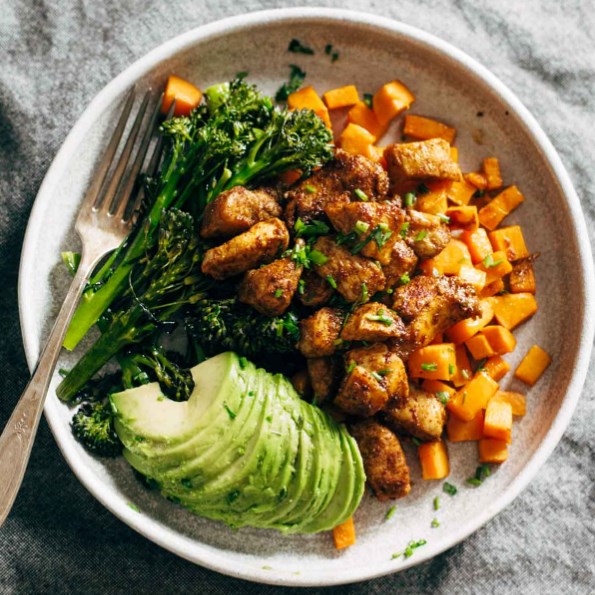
(17, 438)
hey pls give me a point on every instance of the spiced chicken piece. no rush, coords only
(315, 291)
(430, 305)
(426, 234)
(376, 377)
(260, 244)
(420, 414)
(424, 160)
(320, 332)
(373, 322)
(357, 278)
(337, 181)
(236, 210)
(384, 460)
(400, 260)
(270, 288)
(323, 373)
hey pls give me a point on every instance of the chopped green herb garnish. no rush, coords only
(489, 261)
(449, 489)
(296, 78)
(411, 547)
(243, 362)
(381, 234)
(314, 228)
(338, 342)
(377, 376)
(436, 503)
(361, 227)
(297, 47)
(351, 367)
(334, 56)
(278, 293)
(443, 396)
(301, 287)
(404, 278)
(435, 523)
(331, 281)
(421, 235)
(309, 188)
(409, 199)
(381, 317)
(444, 218)
(451, 369)
(133, 506)
(232, 414)
(465, 374)
(361, 194)
(423, 189)
(404, 229)
(364, 293)
(269, 418)
(251, 393)
(384, 371)
(368, 97)
(328, 48)
(390, 512)
(481, 473)
(318, 257)
(416, 441)
(481, 364)
(431, 367)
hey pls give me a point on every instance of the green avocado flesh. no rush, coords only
(244, 449)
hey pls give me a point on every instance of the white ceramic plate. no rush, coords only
(449, 85)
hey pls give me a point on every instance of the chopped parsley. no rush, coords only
(436, 503)
(404, 278)
(390, 513)
(232, 414)
(297, 47)
(314, 228)
(435, 523)
(409, 199)
(361, 194)
(449, 489)
(368, 97)
(481, 473)
(443, 396)
(421, 235)
(404, 229)
(296, 78)
(331, 281)
(278, 293)
(430, 367)
(489, 261)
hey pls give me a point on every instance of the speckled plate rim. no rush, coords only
(193, 550)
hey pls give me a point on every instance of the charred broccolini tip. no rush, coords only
(93, 426)
(228, 325)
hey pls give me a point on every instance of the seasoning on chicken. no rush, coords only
(236, 210)
(420, 414)
(430, 305)
(323, 373)
(425, 160)
(401, 260)
(313, 290)
(270, 289)
(376, 377)
(373, 322)
(319, 333)
(344, 178)
(260, 244)
(384, 460)
(301, 383)
(356, 278)
(427, 234)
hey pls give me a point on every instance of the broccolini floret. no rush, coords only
(93, 426)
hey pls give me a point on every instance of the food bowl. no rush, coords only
(490, 120)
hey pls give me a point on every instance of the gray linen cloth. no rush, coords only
(54, 57)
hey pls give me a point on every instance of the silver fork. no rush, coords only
(104, 220)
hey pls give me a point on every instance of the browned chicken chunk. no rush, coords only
(314, 291)
(336, 181)
(401, 261)
(427, 234)
(384, 460)
(236, 210)
(356, 277)
(323, 372)
(301, 383)
(376, 377)
(320, 332)
(344, 217)
(261, 243)
(420, 414)
(271, 288)
(430, 305)
(373, 322)
(428, 159)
